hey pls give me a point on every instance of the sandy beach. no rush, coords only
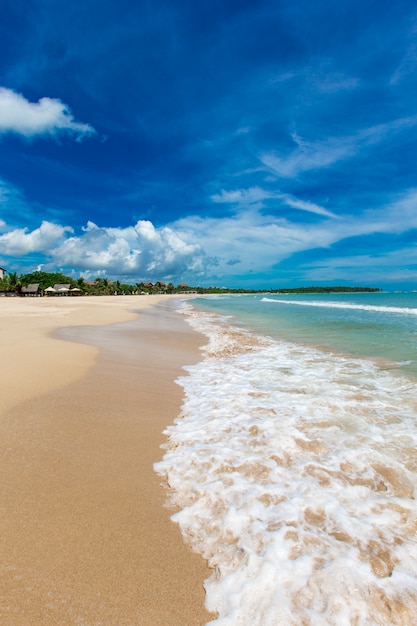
(87, 388)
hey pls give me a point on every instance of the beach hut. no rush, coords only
(50, 291)
(31, 290)
(61, 289)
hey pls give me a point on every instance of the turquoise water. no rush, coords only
(373, 325)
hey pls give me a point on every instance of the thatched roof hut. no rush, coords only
(31, 290)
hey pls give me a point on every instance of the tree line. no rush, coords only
(12, 283)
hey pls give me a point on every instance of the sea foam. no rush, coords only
(346, 305)
(294, 475)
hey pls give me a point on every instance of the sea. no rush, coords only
(293, 462)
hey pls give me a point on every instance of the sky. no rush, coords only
(260, 144)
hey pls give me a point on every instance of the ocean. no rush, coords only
(293, 463)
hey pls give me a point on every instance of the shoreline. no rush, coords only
(85, 533)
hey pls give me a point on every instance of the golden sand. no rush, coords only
(85, 538)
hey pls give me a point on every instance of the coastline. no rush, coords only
(85, 535)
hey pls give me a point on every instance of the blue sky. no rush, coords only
(259, 144)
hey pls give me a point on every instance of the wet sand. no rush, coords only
(85, 536)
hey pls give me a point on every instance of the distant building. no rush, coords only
(3, 272)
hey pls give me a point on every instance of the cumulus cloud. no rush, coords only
(48, 116)
(21, 241)
(142, 251)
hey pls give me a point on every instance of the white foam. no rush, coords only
(346, 305)
(294, 473)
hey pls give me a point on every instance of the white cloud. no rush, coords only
(242, 196)
(197, 249)
(48, 116)
(333, 83)
(309, 156)
(385, 268)
(262, 241)
(255, 195)
(397, 216)
(303, 205)
(257, 241)
(408, 64)
(142, 251)
(10, 195)
(313, 155)
(20, 241)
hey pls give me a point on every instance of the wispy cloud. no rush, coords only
(14, 204)
(9, 194)
(304, 205)
(48, 116)
(334, 83)
(386, 267)
(242, 196)
(408, 64)
(316, 155)
(256, 195)
(245, 242)
(308, 156)
(262, 241)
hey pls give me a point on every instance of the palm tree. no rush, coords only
(13, 281)
(102, 285)
(4, 284)
(141, 287)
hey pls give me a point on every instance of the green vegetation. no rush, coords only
(10, 282)
(102, 286)
(46, 279)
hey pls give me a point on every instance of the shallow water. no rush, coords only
(294, 464)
